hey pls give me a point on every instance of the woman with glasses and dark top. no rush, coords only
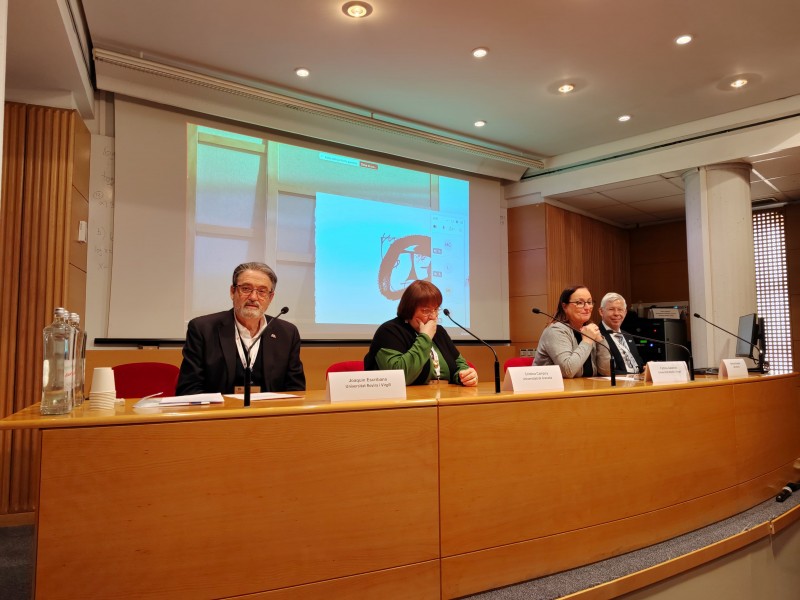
(416, 343)
(575, 352)
(220, 346)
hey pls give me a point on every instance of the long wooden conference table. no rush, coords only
(447, 493)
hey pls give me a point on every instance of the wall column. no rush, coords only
(719, 242)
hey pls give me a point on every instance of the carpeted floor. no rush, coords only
(16, 559)
(16, 562)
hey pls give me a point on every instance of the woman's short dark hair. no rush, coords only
(564, 299)
(418, 293)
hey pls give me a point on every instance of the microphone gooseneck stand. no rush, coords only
(689, 359)
(496, 360)
(248, 369)
(748, 342)
(612, 363)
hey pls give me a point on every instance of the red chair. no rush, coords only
(348, 365)
(137, 380)
(519, 361)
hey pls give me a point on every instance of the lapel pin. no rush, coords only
(272, 335)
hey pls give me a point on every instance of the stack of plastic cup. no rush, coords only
(103, 395)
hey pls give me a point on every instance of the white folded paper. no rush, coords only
(188, 400)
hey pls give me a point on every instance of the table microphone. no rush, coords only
(496, 360)
(748, 342)
(248, 371)
(787, 491)
(688, 352)
(612, 362)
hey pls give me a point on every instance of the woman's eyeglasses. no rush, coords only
(581, 303)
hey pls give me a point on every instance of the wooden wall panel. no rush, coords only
(526, 228)
(525, 326)
(527, 273)
(38, 167)
(581, 250)
(564, 252)
(10, 257)
(659, 267)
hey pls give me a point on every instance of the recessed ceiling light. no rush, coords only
(738, 83)
(566, 88)
(480, 52)
(480, 123)
(623, 118)
(302, 72)
(357, 10)
(683, 39)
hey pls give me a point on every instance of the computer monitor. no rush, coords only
(748, 335)
(751, 329)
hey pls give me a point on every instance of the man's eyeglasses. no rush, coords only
(429, 312)
(246, 290)
(581, 303)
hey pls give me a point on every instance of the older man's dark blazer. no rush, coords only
(210, 356)
(619, 362)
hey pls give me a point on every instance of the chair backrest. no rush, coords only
(518, 361)
(136, 380)
(348, 365)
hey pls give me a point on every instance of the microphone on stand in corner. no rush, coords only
(496, 360)
(612, 362)
(787, 491)
(689, 359)
(248, 370)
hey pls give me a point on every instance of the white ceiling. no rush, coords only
(411, 61)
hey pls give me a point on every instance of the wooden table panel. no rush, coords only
(520, 470)
(414, 582)
(473, 572)
(762, 440)
(235, 506)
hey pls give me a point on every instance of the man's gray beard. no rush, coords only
(251, 313)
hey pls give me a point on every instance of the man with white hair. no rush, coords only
(613, 310)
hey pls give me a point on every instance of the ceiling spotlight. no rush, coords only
(738, 83)
(480, 123)
(566, 88)
(480, 52)
(302, 72)
(683, 40)
(623, 118)
(357, 10)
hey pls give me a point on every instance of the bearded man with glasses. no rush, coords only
(219, 347)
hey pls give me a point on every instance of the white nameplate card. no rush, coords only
(733, 368)
(671, 371)
(533, 379)
(348, 386)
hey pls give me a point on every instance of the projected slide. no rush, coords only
(368, 252)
